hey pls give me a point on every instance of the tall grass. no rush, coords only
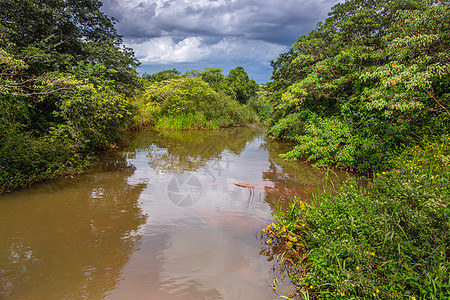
(183, 121)
(387, 241)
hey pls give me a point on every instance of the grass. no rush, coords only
(190, 121)
(387, 241)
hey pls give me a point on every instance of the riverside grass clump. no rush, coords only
(389, 240)
(183, 121)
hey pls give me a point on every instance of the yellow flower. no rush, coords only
(358, 268)
(377, 291)
(372, 253)
(339, 227)
(342, 294)
(413, 298)
(311, 287)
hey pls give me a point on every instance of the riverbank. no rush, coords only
(389, 240)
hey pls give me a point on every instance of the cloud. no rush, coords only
(214, 32)
(268, 20)
(165, 50)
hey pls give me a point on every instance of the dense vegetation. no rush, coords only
(196, 100)
(369, 90)
(370, 80)
(389, 240)
(65, 83)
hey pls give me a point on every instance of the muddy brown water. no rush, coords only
(160, 218)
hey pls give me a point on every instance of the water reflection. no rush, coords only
(69, 239)
(293, 179)
(116, 233)
(180, 151)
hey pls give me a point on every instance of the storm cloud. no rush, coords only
(189, 34)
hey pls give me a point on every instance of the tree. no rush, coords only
(186, 98)
(415, 74)
(162, 75)
(65, 80)
(53, 35)
(378, 69)
(240, 83)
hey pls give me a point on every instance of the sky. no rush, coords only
(197, 34)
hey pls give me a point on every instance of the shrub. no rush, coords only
(289, 127)
(24, 159)
(184, 98)
(332, 141)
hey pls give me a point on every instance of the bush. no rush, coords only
(332, 141)
(289, 127)
(261, 106)
(91, 117)
(177, 100)
(24, 159)
(37, 143)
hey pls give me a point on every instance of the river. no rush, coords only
(160, 218)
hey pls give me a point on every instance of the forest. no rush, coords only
(367, 91)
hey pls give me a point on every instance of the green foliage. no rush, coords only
(379, 67)
(190, 121)
(64, 87)
(161, 76)
(25, 159)
(369, 89)
(289, 127)
(92, 117)
(390, 240)
(430, 157)
(59, 34)
(173, 101)
(180, 100)
(329, 141)
(415, 70)
(216, 80)
(236, 84)
(260, 104)
(243, 87)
